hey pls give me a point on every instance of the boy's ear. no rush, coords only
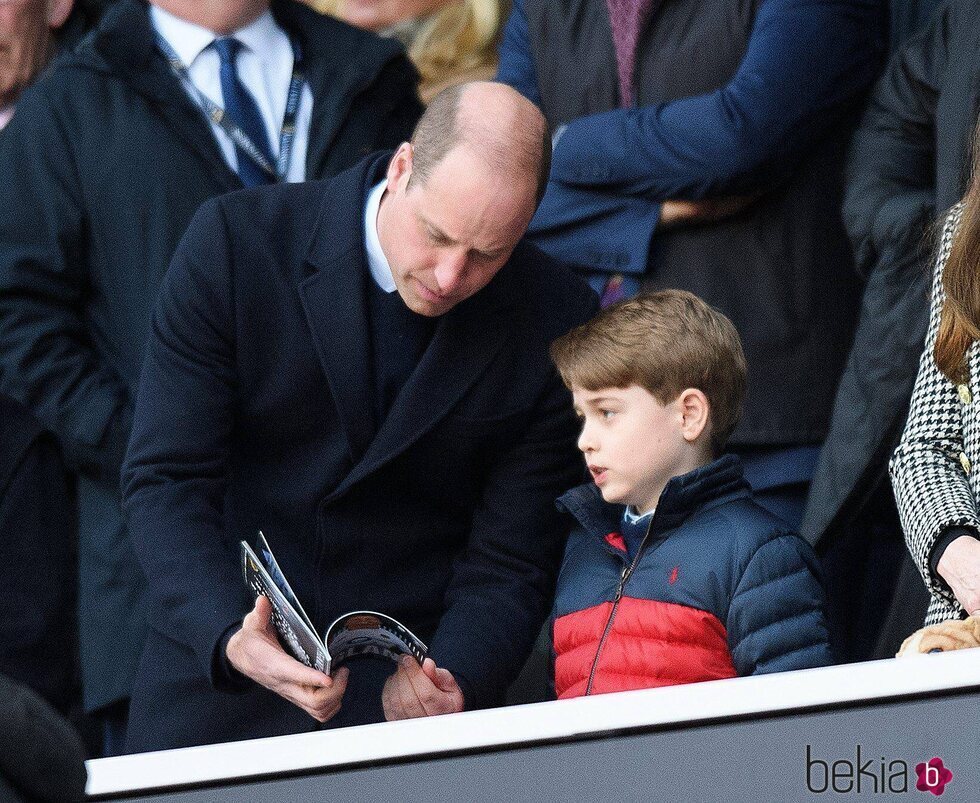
(694, 411)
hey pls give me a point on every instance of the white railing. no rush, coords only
(539, 722)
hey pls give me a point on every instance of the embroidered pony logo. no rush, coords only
(673, 574)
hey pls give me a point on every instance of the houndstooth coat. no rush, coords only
(935, 470)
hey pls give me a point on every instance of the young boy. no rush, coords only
(673, 574)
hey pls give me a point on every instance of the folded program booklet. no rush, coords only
(355, 633)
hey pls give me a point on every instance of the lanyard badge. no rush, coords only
(220, 117)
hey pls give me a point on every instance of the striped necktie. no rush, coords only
(241, 107)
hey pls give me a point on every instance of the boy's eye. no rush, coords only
(607, 414)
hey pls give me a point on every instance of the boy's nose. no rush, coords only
(585, 441)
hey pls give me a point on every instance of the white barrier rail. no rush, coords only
(666, 708)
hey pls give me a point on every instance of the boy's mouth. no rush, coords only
(598, 474)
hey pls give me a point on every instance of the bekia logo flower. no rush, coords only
(933, 776)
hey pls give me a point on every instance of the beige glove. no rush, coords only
(956, 634)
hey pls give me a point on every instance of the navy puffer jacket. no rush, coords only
(720, 587)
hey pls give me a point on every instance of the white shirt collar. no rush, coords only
(631, 515)
(189, 40)
(377, 261)
(6, 115)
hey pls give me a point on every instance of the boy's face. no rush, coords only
(633, 444)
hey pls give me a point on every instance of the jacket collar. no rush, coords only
(705, 487)
(333, 295)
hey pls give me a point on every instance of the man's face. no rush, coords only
(447, 238)
(25, 39)
(632, 443)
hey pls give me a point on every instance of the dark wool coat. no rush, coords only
(103, 165)
(38, 574)
(441, 515)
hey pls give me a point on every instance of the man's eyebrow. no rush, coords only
(435, 229)
(490, 253)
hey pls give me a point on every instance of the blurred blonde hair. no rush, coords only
(455, 44)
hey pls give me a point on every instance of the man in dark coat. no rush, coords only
(105, 162)
(700, 146)
(359, 369)
(909, 163)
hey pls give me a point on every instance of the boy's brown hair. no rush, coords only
(665, 342)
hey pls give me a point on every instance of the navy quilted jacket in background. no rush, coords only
(720, 588)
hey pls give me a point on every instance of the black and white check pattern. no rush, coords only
(936, 468)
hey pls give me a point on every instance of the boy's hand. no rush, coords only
(420, 691)
(255, 652)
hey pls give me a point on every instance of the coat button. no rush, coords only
(964, 393)
(965, 462)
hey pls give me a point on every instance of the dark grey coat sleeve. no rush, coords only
(47, 359)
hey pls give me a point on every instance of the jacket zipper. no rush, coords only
(627, 571)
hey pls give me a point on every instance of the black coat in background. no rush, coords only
(38, 575)
(255, 413)
(909, 163)
(103, 165)
(41, 756)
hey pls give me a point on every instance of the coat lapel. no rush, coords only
(464, 344)
(334, 302)
(126, 42)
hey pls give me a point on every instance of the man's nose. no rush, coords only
(450, 270)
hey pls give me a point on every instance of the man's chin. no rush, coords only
(422, 306)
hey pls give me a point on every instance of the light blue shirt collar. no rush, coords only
(633, 517)
(377, 261)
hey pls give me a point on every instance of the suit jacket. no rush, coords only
(254, 412)
(103, 166)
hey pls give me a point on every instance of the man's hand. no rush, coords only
(420, 691)
(677, 213)
(959, 566)
(255, 652)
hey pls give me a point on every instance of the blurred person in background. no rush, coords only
(909, 163)
(38, 536)
(27, 43)
(449, 41)
(700, 147)
(105, 162)
(42, 759)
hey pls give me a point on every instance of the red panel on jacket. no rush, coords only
(650, 644)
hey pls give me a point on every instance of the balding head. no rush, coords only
(460, 196)
(492, 120)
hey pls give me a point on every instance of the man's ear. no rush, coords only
(400, 167)
(694, 409)
(58, 11)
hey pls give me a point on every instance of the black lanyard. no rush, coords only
(218, 116)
